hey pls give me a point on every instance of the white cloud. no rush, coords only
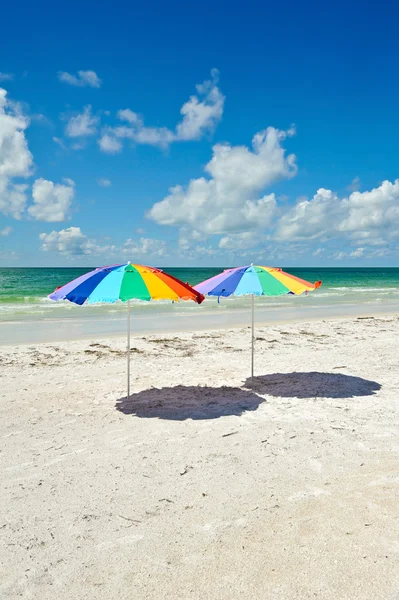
(370, 217)
(144, 247)
(6, 76)
(204, 251)
(102, 182)
(128, 115)
(15, 159)
(82, 79)
(6, 231)
(318, 252)
(310, 219)
(83, 124)
(357, 253)
(229, 202)
(109, 144)
(185, 240)
(72, 242)
(200, 114)
(52, 201)
(13, 199)
(371, 212)
(140, 134)
(188, 238)
(67, 241)
(199, 250)
(241, 241)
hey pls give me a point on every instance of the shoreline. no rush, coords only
(15, 333)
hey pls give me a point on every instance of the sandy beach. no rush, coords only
(203, 485)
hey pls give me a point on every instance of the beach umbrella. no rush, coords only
(126, 282)
(254, 281)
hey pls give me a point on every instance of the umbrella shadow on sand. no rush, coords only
(189, 402)
(312, 385)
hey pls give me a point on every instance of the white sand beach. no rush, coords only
(203, 485)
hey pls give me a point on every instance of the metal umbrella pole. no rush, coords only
(253, 338)
(128, 349)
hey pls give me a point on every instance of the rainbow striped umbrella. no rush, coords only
(125, 282)
(255, 281)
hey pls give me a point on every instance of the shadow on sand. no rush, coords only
(189, 402)
(312, 385)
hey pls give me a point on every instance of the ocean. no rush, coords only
(24, 291)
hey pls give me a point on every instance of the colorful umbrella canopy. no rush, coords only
(125, 282)
(255, 281)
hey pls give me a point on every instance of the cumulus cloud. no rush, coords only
(6, 76)
(102, 182)
(51, 201)
(72, 242)
(203, 112)
(5, 231)
(109, 144)
(229, 200)
(371, 213)
(144, 247)
(310, 219)
(13, 199)
(81, 79)
(200, 115)
(82, 125)
(15, 158)
(369, 216)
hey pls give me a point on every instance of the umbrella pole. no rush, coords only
(253, 338)
(128, 349)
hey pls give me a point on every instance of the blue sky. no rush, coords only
(176, 133)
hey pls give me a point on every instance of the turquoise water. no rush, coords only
(24, 291)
